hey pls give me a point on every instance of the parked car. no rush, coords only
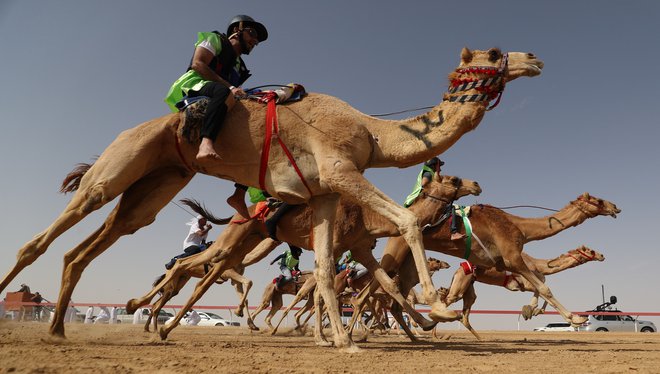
(614, 322)
(208, 319)
(557, 326)
(123, 317)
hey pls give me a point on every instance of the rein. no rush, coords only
(582, 255)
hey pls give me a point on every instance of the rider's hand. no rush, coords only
(238, 92)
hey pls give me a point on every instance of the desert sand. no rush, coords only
(27, 347)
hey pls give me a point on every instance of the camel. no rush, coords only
(501, 237)
(273, 296)
(330, 144)
(358, 232)
(341, 283)
(462, 283)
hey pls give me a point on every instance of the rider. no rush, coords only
(425, 176)
(289, 261)
(356, 269)
(195, 241)
(217, 71)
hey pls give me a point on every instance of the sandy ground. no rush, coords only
(26, 347)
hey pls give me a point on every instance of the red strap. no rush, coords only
(272, 130)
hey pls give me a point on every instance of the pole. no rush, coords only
(602, 290)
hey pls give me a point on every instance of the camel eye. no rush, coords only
(493, 55)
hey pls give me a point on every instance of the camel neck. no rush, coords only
(543, 227)
(404, 143)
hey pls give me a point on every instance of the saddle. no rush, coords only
(194, 108)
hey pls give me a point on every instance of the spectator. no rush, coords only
(104, 315)
(70, 314)
(193, 318)
(89, 315)
(137, 316)
(37, 309)
(24, 288)
(113, 315)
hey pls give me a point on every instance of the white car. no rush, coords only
(208, 319)
(557, 326)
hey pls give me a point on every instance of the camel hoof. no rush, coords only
(578, 320)
(252, 326)
(239, 313)
(538, 311)
(323, 343)
(444, 315)
(527, 312)
(163, 333)
(429, 326)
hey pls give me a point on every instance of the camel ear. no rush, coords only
(466, 55)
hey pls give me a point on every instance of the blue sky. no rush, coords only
(77, 73)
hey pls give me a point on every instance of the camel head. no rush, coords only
(443, 292)
(513, 64)
(582, 254)
(435, 264)
(594, 206)
(451, 188)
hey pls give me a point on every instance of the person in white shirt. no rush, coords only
(113, 315)
(104, 315)
(137, 317)
(69, 314)
(193, 318)
(195, 241)
(89, 314)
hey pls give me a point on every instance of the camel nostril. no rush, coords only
(531, 55)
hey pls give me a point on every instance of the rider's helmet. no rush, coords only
(243, 21)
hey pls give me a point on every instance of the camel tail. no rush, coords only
(72, 180)
(198, 208)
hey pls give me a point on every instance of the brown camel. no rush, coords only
(462, 283)
(341, 283)
(273, 296)
(357, 232)
(499, 238)
(331, 143)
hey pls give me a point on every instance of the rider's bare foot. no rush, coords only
(206, 151)
(457, 236)
(238, 203)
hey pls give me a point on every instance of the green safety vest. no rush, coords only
(290, 261)
(233, 71)
(418, 187)
(256, 195)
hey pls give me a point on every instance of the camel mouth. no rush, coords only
(535, 68)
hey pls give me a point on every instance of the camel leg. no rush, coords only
(276, 305)
(469, 298)
(545, 292)
(397, 313)
(324, 209)
(528, 310)
(308, 307)
(242, 286)
(319, 337)
(352, 183)
(137, 208)
(306, 288)
(260, 251)
(367, 259)
(94, 192)
(202, 286)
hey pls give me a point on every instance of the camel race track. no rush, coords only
(26, 347)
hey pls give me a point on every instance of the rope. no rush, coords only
(525, 206)
(402, 111)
